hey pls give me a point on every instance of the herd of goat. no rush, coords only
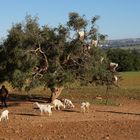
(47, 108)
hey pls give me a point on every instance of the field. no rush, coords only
(137, 47)
(116, 116)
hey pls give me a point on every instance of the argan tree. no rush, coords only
(54, 57)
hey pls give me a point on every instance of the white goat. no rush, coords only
(101, 59)
(113, 66)
(68, 103)
(58, 104)
(85, 106)
(4, 115)
(44, 108)
(94, 42)
(115, 81)
(115, 78)
(81, 34)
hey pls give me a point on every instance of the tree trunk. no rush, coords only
(55, 92)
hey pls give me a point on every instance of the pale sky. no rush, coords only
(119, 18)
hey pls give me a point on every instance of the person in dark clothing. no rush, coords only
(3, 95)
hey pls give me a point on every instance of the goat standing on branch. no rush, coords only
(81, 35)
(113, 66)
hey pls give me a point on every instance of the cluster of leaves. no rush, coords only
(32, 55)
(128, 60)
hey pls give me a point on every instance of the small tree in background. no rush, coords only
(52, 57)
(128, 60)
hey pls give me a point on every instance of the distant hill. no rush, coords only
(131, 42)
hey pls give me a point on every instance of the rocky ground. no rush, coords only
(101, 123)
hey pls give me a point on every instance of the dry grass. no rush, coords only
(129, 88)
(130, 79)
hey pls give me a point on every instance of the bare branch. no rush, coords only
(43, 53)
(45, 57)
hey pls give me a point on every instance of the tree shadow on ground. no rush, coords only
(10, 104)
(15, 99)
(26, 114)
(117, 112)
(69, 110)
(23, 97)
(13, 104)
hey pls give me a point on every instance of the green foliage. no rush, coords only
(50, 57)
(76, 22)
(128, 60)
(17, 79)
(3, 75)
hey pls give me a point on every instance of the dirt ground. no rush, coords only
(101, 123)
